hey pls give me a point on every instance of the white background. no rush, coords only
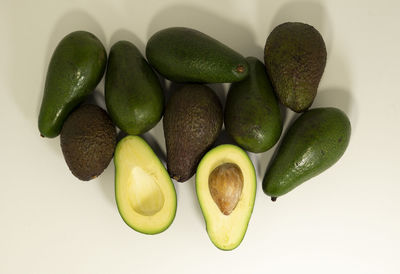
(347, 220)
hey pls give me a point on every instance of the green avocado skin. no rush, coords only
(133, 94)
(252, 115)
(76, 67)
(187, 55)
(315, 141)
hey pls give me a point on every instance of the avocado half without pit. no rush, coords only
(144, 192)
(226, 188)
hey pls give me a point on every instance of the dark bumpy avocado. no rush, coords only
(192, 122)
(252, 115)
(133, 94)
(76, 67)
(88, 139)
(295, 58)
(187, 55)
(315, 141)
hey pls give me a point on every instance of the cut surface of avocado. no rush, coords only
(226, 188)
(144, 192)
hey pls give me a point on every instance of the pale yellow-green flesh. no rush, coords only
(226, 231)
(144, 192)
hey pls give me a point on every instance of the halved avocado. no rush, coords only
(144, 192)
(226, 190)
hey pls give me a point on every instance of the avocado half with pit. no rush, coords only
(144, 192)
(226, 190)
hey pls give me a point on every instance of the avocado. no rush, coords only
(187, 55)
(315, 141)
(76, 67)
(192, 122)
(144, 192)
(295, 58)
(252, 115)
(88, 139)
(226, 189)
(133, 94)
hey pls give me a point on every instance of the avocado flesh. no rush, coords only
(144, 192)
(226, 231)
(315, 141)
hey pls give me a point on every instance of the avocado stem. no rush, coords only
(41, 135)
(273, 199)
(240, 69)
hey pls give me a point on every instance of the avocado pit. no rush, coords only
(226, 184)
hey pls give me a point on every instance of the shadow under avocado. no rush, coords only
(221, 90)
(96, 98)
(224, 138)
(196, 205)
(153, 143)
(106, 182)
(234, 35)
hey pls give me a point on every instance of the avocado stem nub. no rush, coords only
(273, 199)
(240, 68)
(41, 135)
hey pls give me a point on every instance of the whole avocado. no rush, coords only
(315, 141)
(252, 115)
(187, 55)
(88, 139)
(192, 122)
(295, 58)
(133, 94)
(76, 67)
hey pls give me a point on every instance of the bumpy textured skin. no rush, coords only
(187, 55)
(252, 115)
(295, 58)
(76, 67)
(88, 140)
(133, 94)
(315, 141)
(192, 122)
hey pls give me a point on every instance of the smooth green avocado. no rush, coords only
(252, 115)
(88, 138)
(315, 141)
(192, 122)
(133, 94)
(187, 55)
(144, 192)
(76, 67)
(295, 58)
(226, 189)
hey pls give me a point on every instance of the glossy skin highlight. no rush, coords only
(315, 141)
(252, 116)
(133, 94)
(76, 67)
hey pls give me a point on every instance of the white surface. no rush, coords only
(343, 221)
